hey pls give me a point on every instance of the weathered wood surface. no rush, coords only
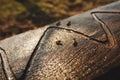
(81, 47)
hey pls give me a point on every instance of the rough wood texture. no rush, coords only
(81, 47)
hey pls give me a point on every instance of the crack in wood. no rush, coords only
(110, 36)
(6, 66)
(104, 27)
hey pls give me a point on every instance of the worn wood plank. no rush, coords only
(81, 47)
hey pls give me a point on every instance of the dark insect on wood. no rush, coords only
(88, 46)
(58, 23)
(69, 23)
(59, 42)
(75, 43)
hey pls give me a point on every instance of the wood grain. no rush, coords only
(81, 47)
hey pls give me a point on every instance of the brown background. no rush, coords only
(17, 16)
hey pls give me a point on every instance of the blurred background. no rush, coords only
(17, 16)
